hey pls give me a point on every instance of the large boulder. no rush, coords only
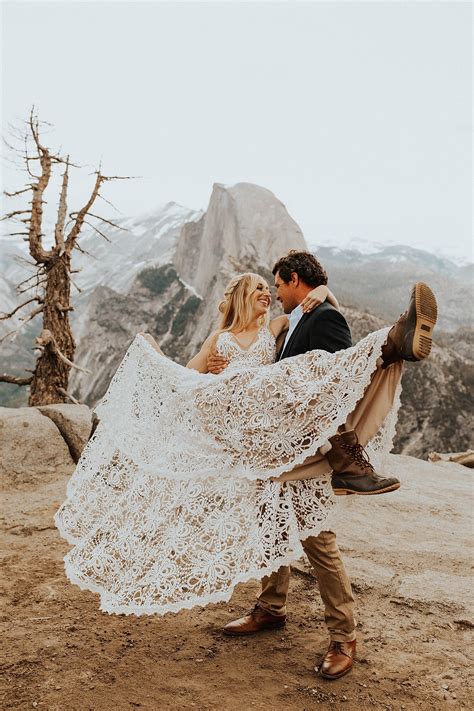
(74, 423)
(31, 447)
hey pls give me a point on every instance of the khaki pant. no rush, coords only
(324, 555)
(366, 419)
(322, 551)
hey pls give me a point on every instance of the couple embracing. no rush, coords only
(202, 477)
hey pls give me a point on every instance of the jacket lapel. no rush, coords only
(289, 343)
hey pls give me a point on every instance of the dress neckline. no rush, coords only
(246, 350)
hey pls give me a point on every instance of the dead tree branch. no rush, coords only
(4, 316)
(76, 228)
(62, 210)
(108, 222)
(96, 229)
(47, 340)
(15, 380)
(18, 192)
(62, 308)
(83, 251)
(36, 246)
(23, 323)
(69, 396)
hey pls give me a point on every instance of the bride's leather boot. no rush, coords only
(352, 471)
(411, 337)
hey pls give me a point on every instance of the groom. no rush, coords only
(326, 329)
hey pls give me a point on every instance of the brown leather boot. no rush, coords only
(256, 621)
(411, 337)
(352, 471)
(338, 660)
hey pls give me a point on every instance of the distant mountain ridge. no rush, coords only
(378, 281)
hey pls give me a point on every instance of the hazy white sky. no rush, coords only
(357, 115)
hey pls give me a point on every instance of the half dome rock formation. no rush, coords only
(244, 227)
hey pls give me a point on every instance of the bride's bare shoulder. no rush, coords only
(278, 325)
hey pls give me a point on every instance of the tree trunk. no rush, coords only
(49, 381)
(51, 372)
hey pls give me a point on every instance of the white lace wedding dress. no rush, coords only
(174, 500)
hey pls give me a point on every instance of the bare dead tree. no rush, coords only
(51, 281)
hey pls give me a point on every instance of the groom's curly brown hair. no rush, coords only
(304, 264)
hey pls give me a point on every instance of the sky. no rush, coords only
(357, 115)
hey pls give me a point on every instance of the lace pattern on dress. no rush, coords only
(172, 502)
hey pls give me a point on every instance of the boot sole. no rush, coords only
(334, 676)
(273, 626)
(344, 492)
(426, 316)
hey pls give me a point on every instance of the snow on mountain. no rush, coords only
(143, 241)
(139, 242)
(368, 248)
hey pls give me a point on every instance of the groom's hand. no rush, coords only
(216, 363)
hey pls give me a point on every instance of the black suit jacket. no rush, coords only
(325, 329)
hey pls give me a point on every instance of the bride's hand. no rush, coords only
(216, 363)
(315, 297)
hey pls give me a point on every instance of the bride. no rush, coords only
(245, 324)
(181, 492)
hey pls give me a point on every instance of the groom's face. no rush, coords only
(286, 292)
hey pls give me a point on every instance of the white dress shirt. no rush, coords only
(293, 318)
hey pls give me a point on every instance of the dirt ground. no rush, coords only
(61, 652)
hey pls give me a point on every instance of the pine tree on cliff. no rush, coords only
(51, 282)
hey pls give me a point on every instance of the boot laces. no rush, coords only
(359, 455)
(337, 647)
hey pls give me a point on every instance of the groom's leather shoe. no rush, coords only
(352, 471)
(411, 337)
(338, 660)
(256, 621)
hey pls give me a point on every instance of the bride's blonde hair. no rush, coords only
(236, 307)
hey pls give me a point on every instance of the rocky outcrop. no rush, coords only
(159, 303)
(378, 282)
(412, 524)
(74, 424)
(31, 447)
(39, 443)
(464, 458)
